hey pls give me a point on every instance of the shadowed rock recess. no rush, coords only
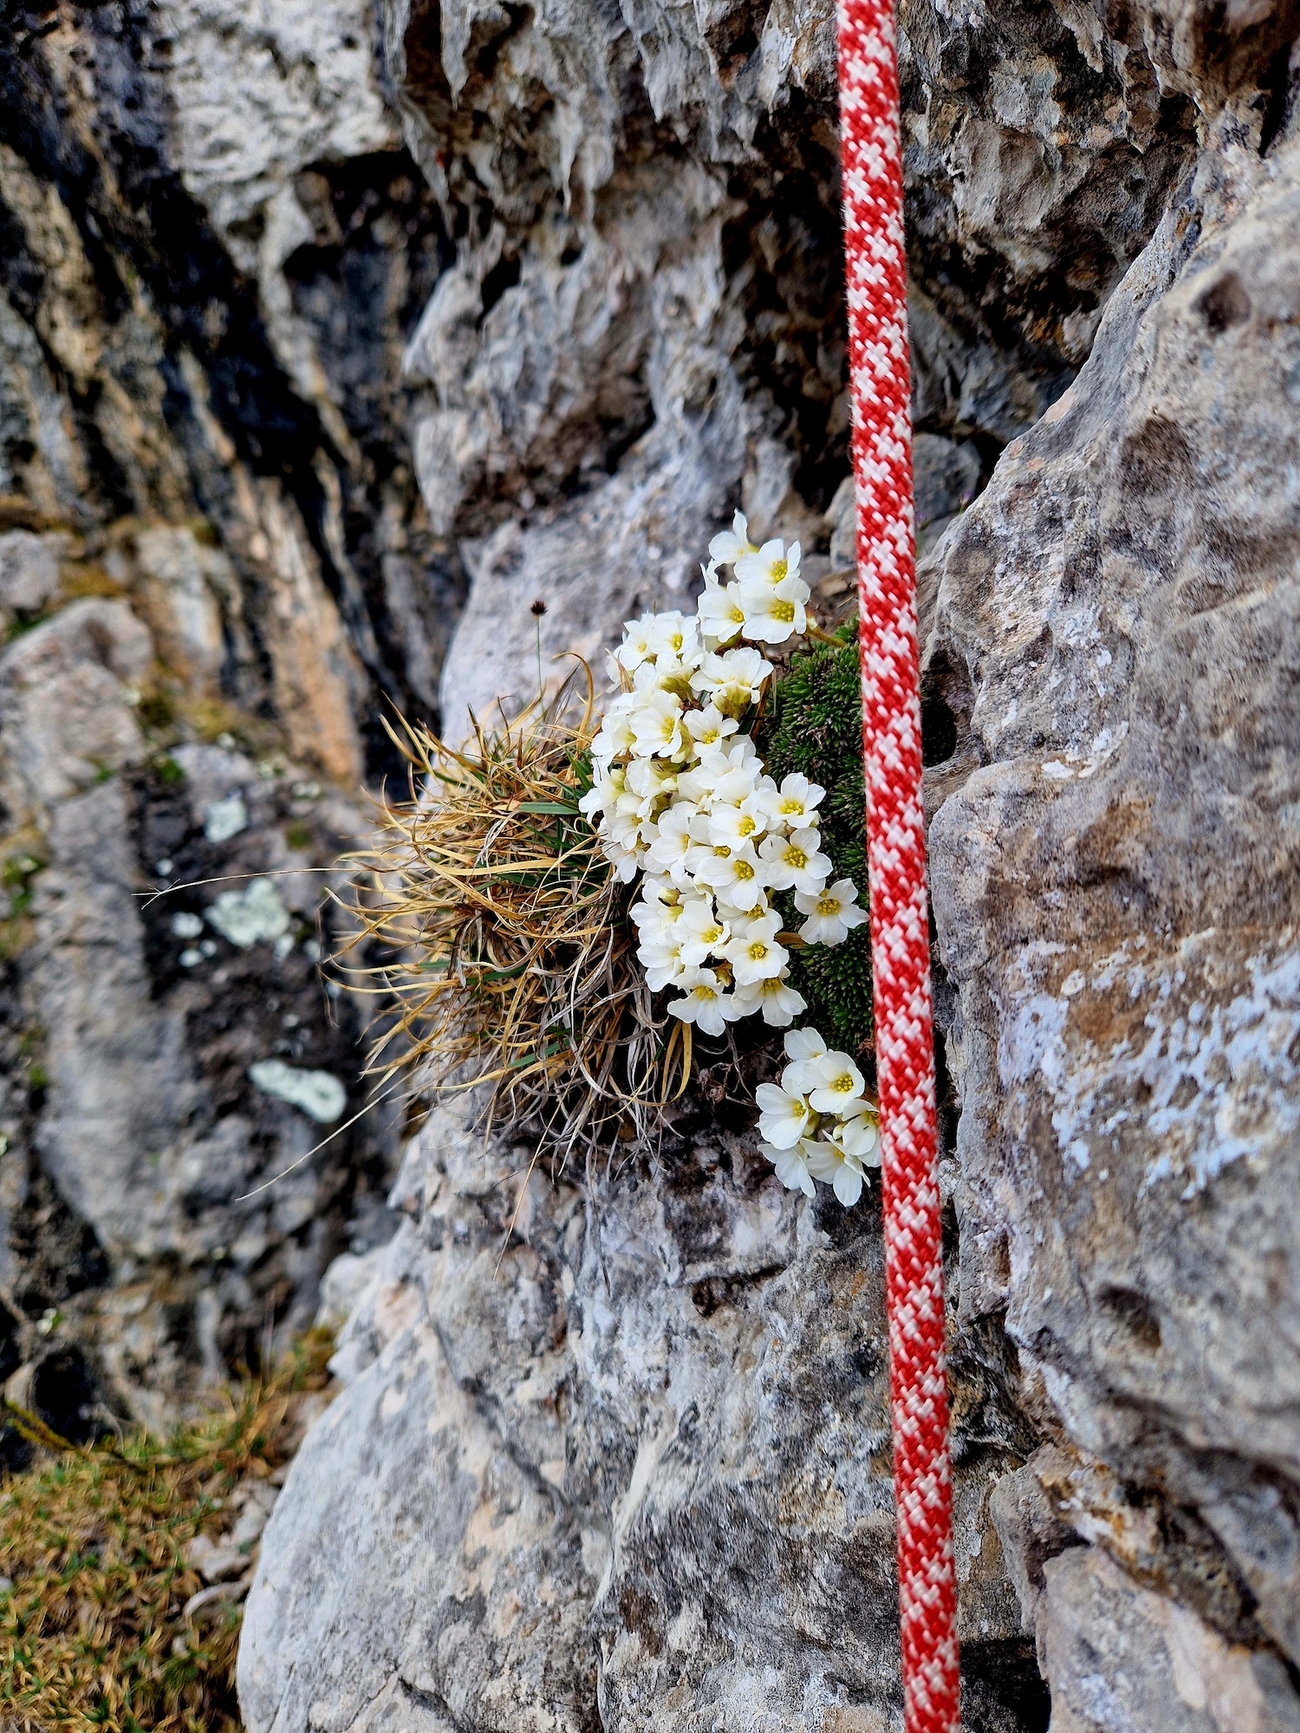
(333, 336)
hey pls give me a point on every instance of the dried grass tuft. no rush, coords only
(505, 942)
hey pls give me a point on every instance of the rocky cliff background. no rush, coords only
(332, 337)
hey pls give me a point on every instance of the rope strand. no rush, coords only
(876, 272)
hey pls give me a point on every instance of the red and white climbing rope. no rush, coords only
(876, 267)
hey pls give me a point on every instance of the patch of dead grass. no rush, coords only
(93, 1629)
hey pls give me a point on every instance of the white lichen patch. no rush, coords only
(319, 1094)
(1217, 1080)
(225, 818)
(248, 917)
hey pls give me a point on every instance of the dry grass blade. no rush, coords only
(504, 939)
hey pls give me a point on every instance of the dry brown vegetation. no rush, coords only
(98, 1628)
(503, 938)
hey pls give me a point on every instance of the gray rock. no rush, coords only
(1120, 1657)
(1109, 627)
(66, 703)
(678, 1391)
(1113, 883)
(29, 570)
(637, 1474)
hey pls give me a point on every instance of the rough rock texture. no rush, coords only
(1115, 881)
(631, 1471)
(673, 1470)
(213, 560)
(321, 322)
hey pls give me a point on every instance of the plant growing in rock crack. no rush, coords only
(730, 799)
(504, 937)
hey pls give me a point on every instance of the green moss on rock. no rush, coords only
(813, 724)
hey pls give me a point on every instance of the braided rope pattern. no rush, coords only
(876, 265)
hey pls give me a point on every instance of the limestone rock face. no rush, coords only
(1123, 947)
(213, 559)
(1103, 219)
(634, 1465)
(332, 338)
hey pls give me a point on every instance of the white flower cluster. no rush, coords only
(680, 794)
(817, 1122)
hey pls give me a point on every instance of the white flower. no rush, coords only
(859, 1136)
(657, 727)
(728, 545)
(768, 566)
(622, 856)
(650, 780)
(727, 772)
(722, 615)
(654, 920)
(674, 637)
(737, 874)
(662, 959)
(732, 825)
(668, 852)
(791, 1168)
(638, 642)
(774, 613)
(775, 998)
(784, 1116)
(708, 727)
(830, 1080)
(832, 913)
(706, 1004)
(733, 680)
(667, 674)
(615, 737)
(601, 798)
(705, 933)
(828, 1162)
(795, 803)
(754, 954)
(795, 861)
(803, 1044)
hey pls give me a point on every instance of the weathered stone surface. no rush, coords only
(1108, 630)
(268, 393)
(1121, 1657)
(154, 1132)
(214, 249)
(652, 1430)
(1114, 884)
(66, 695)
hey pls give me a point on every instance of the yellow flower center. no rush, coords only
(744, 870)
(828, 905)
(747, 826)
(758, 950)
(711, 935)
(705, 993)
(796, 858)
(843, 1085)
(788, 806)
(676, 641)
(779, 570)
(783, 611)
(722, 851)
